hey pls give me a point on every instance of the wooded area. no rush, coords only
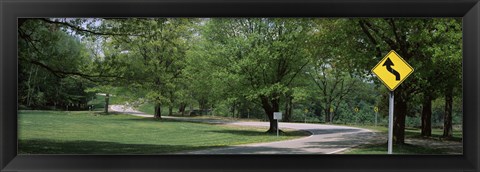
(247, 67)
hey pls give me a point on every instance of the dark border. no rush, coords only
(468, 9)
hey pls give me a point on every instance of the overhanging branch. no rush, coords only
(63, 74)
(79, 29)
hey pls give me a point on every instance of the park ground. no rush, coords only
(414, 143)
(92, 132)
(84, 132)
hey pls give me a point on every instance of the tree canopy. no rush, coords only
(246, 66)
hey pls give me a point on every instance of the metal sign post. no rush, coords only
(390, 123)
(392, 70)
(277, 116)
(277, 127)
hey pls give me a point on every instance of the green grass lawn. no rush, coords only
(436, 133)
(397, 149)
(410, 133)
(415, 132)
(57, 132)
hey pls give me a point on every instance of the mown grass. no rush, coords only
(416, 132)
(436, 134)
(398, 149)
(57, 132)
(410, 133)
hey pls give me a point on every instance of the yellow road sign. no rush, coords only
(375, 109)
(356, 109)
(392, 70)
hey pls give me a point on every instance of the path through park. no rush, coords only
(325, 139)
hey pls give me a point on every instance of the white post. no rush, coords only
(390, 123)
(277, 127)
(376, 115)
(277, 116)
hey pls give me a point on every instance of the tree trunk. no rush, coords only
(203, 105)
(400, 113)
(273, 124)
(334, 113)
(233, 109)
(181, 109)
(29, 89)
(288, 109)
(327, 113)
(158, 111)
(331, 116)
(107, 97)
(427, 115)
(269, 107)
(447, 120)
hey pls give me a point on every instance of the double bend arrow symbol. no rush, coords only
(388, 63)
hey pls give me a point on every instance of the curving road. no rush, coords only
(325, 139)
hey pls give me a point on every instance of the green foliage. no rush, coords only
(47, 56)
(158, 56)
(242, 67)
(252, 59)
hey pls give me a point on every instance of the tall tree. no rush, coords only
(52, 66)
(413, 39)
(154, 59)
(262, 55)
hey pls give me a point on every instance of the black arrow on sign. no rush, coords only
(389, 65)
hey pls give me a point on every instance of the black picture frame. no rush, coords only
(469, 10)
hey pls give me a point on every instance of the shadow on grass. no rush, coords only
(348, 140)
(243, 132)
(262, 133)
(102, 113)
(186, 120)
(252, 150)
(436, 137)
(45, 146)
(333, 131)
(151, 119)
(398, 149)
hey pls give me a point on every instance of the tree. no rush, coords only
(413, 39)
(154, 59)
(260, 56)
(448, 59)
(333, 85)
(51, 67)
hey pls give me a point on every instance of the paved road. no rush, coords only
(325, 139)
